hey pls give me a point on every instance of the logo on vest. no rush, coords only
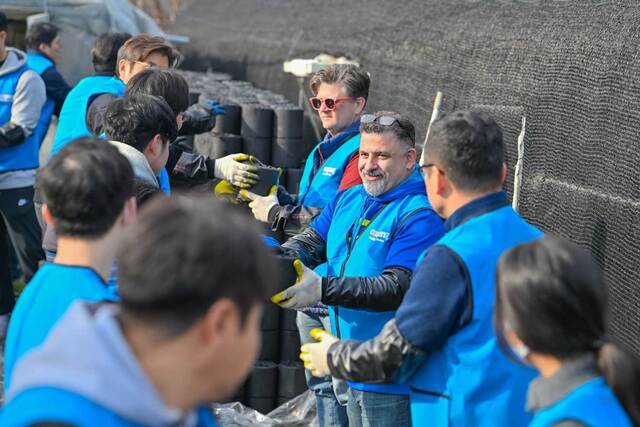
(378, 236)
(328, 171)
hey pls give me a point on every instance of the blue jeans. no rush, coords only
(330, 392)
(367, 409)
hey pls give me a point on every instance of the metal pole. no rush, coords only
(434, 116)
(517, 178)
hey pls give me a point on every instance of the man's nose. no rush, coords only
(372, 163)
(324, 108)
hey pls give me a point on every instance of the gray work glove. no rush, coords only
(232, 169)
(307, 290)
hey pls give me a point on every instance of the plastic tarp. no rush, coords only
(81, 21)
(298, 412)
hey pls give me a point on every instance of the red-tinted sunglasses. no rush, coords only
(330, 103)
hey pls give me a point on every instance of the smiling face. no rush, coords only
(384, 162)
(346, 111)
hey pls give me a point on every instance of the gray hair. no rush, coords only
(402, 128)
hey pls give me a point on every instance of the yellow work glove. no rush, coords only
(314, 355)
(231, 168)
(307, 290)
(224, 190)
(261, 205)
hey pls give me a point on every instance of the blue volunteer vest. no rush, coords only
(316, 192)
(40, 63)
(49, 294)
(24, 155)
(163, 180)
(364, 256)
(593, 404)
(53, 404)
(72, 122)
(469, 381)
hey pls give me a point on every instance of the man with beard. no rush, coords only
(370, 236)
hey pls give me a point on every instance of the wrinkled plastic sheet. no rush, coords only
(298, 412)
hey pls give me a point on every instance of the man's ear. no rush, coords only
(46, 215)
(130, 211)
(412, 156)
(361, 102)
(504, 174)
(443, 185)
(122, 68)
(221, 320)
(155, 146)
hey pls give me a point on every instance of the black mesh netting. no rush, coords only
(571, 67)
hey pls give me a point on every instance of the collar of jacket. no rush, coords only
(477, 207)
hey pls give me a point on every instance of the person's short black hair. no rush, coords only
(42, 32)
(4, 22)
(135, 119)
(468, 146)
(85, 185)
(182, 255)
(402, 128)
(104, 53)
(167, 84)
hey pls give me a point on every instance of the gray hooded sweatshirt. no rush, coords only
(141, 167)
(28, 101)
(87, 354)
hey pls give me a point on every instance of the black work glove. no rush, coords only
(200, 118)
(11, 134)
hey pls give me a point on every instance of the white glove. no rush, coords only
(239, 174)
(314, 355)
(261, 205)
(307, 290)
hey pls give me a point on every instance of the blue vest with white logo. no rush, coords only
(316, 192)
(469, 381)
(53, 404)
(592, 404)
(40, 63)
(72, 123)
(364, 255)
(24, 155)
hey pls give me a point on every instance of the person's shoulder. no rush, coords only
(32, 81)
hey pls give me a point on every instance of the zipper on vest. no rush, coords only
(344, 266)
(346, 259)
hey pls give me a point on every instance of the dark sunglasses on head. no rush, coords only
(330, 103)
(384, 121)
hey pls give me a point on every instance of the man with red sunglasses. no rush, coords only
(340, 95)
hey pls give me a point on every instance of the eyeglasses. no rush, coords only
(385, 121)
(423, 168)
(147, 64)
(330, 103)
